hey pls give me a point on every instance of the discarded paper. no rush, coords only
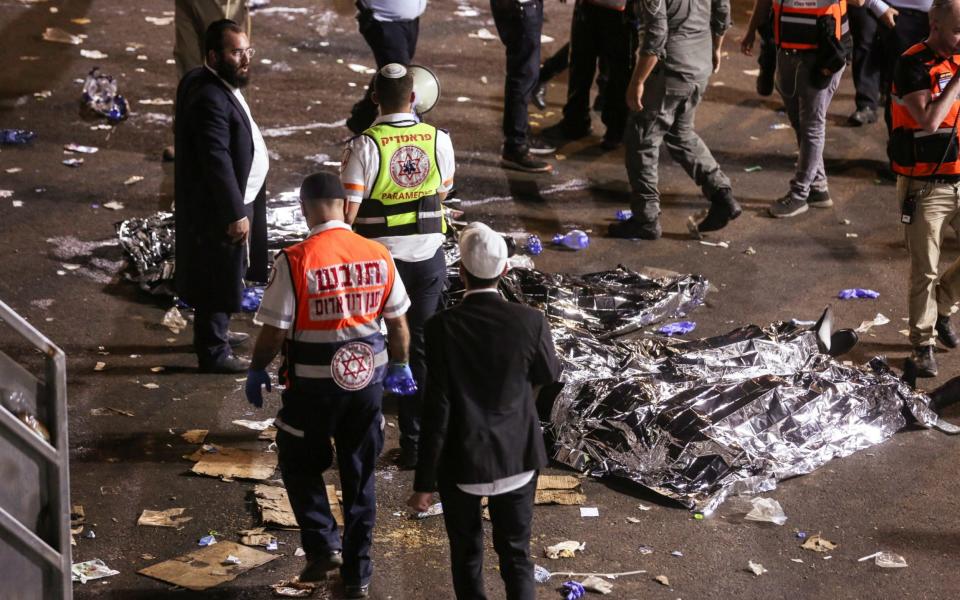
(567, 549)
(172, 517)
(204, 568)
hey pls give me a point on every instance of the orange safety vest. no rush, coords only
(795, 21)
(914, 152)
(341, 283)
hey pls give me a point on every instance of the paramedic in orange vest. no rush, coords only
(813, 43)
(924, 155)
(322, 308)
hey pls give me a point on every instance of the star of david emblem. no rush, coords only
(352, 366)
(409, 166)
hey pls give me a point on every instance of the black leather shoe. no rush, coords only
(634, 230)
(539, 97)
(561, 132)
(357, 591)
(540, 145)
(231, 364)
(407, 459)
(723, 209)
(945, 395)
(237, 338)
(318, 567)
(522, 160)
(945, 332)
(924, 362)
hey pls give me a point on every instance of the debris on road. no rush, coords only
(257, 536)
(133, 179)
(434, 510)
(255, 425)
(752, 169)
(679, 328)
(483, 34)
(15, 137)
(572, 590)
(204, 568)
(73, 162)
(756, 568)
(81, 149)
(589, 511)
(195, 436)
(877, 321)
(91, 570)
(851, 293)
(94, 54)
(207, 540)
(55, 34)
(887, 560)
(233, 463)
(171, 517)
(109, 410)
(174, 321)
(662, 580)
(567, 549)
(596, 584)
(559, 489)
(274, 506)
(293, 589)
(818, 544)
(766, 510)
(100, 96)
(230, 560)
(113, 205)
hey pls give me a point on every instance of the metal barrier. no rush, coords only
(35, 556)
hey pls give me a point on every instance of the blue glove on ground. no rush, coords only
(399, 380)
(255, 379)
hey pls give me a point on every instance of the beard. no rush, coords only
(232, 75)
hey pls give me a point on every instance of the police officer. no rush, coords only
(680, 49)
(925, 104)
(322, 308)
(391, 29)
(396, 174)
(813, 44)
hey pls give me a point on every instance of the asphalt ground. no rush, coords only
(899, 496)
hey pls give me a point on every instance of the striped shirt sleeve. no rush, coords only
(397, 301)
(278, 304)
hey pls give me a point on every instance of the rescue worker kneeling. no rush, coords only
(925, 104)
(322, 307)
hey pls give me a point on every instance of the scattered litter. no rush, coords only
(133, 179)
(844, 221)
(151, 386)
(877, 321)
(433, 511)
(234, 463)
(90, 534)
(73, 162)
(194, 436)
(109, 410)
(889, 560)
(482, 34)
(81, 149)
(254, 425)
(572, 590)
(677, 553)
(463, 99)
(776, 126)
(230, 560)
(274, 506)
(558, 489)
(100, 366)
(90, 570)
(299, 552)
(756, 568)
(644, 507)
(645, 550)
(749, 251)
(751, 72)
(662, 580)
(293, 589)
(157, 369)
(567, 549)
(251, 299)
(17, 203)
(818, 544)
(361, 69)
(81, 21)
(172, 517)
(715, 244)
(852, 235)
(100, 95)
(161, 21)
(207, 540)
(850, 293)
(589, 511)
(257, 537)
(13, 170)
(203, 569)
(113, 205)
(633, 520)
(16, 137)
(679, 328)
(156, 101)
(174, 321)
(797, 560)
(766, 510)
(55, 34)
(752, 169)
(575, 239)
(42, 95)
(94, 54)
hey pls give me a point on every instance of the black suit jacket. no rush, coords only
(479, 418)
(214, 154)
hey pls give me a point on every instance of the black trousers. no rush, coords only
(391, 42)
(867, 57)
(355, 423)
(558, 62)
(511, 515)
(606, 37)
(767, 56)
(424, 282)
(519, 26)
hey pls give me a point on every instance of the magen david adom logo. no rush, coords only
(352, 366)
(409, 166)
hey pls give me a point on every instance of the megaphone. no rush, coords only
(426, 88)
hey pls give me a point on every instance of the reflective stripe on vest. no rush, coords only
(341, 283)
(913, 151)
(795, 21)
(403, 200)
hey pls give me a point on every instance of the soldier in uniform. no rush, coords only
(396, 174)
(681, 47)
(322, 308)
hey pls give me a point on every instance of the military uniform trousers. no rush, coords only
(355, 423)
(669, 108)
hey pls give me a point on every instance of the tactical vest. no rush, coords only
(914, 152)
(403, 200)
(341, 283)
(795, 21)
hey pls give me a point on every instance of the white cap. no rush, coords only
(483, 252)
(393, 71)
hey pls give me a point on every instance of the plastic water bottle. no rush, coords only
(534, 246)
(624, 215)
(575, 240)
(100, 95)
(15, 137)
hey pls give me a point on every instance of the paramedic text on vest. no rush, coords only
(924, 155)
(323, 307)
(396, 174)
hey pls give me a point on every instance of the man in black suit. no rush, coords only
(486, 359)
(220, 189)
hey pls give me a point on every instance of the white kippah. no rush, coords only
(393, 71)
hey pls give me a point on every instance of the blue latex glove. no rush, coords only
(572, 590)
(399, 380)
(255, 379)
